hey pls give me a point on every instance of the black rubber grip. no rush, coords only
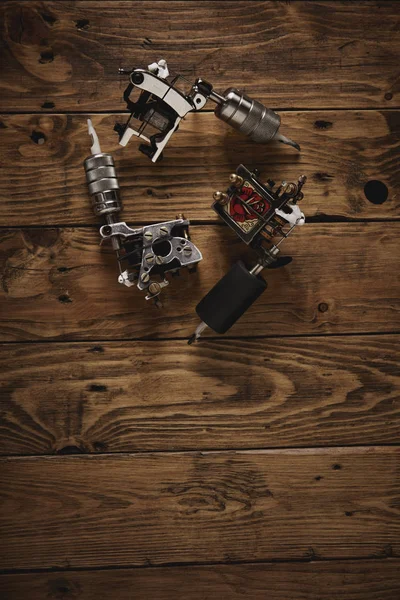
(229, 299)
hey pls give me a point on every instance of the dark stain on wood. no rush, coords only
(96, 387)
(65, 298)
(48, 18)
(322, 124)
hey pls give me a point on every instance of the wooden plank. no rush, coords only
(348, 580)
(149, 509)
(59, 284)
(44, 183)
(122, 397)
(66, 55)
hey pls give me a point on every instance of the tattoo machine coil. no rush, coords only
(148, 252)
(258, 214)
(162, 105)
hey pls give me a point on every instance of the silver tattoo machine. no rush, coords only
(161, 106)
(144, 254)
(263, 216)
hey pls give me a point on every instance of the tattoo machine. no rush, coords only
(161, 106)
(258, 214)
(144, 254)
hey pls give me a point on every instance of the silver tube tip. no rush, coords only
(285, 140)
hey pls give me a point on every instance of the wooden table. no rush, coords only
(263, 464)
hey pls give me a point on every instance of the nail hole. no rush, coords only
(376, 191)
(96, 349)
(47, 56)
(62, 269)
(48, 105)
(323, 307)
(318, 478)
(82, 24)
(349, 513)
(38, 137)
(388, 96)
(64, 298)
(336, 467)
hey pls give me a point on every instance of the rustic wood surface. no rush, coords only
(347, 580)
(152, 509)
(59, 284)
(341, 152)
(113, 397)
(263, 464)
(294, 54)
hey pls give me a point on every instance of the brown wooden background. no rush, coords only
(264, 464)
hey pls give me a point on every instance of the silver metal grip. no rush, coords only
(103, 184)
(248, 116)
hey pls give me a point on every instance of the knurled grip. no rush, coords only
(103, 184)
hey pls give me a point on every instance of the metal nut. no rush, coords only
(154, 288)
(236, 179)
(220, 197)
(217, 196)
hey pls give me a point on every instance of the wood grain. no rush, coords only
(347, 580)
(59, 284)
(65, 55)
(44, 183)
(150, 509)
(121, 397)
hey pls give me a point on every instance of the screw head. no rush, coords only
(159, 260)
(148, 235)
(187, 250)
(163, 230)
(149, 258)
(145, 277)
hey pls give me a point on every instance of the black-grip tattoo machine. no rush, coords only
(263, 216)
